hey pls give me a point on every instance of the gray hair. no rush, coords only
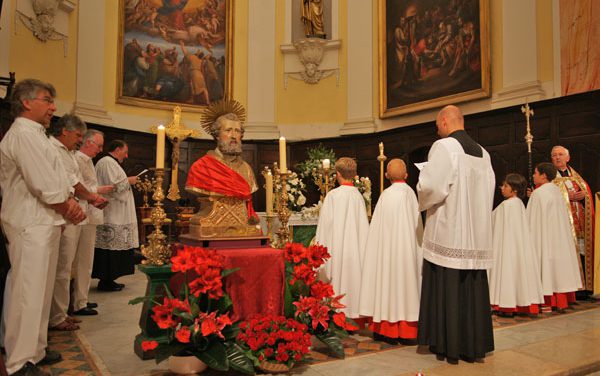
(216, 126)
(559, 146)
(28, 89)
(90, 133)
(68, 122)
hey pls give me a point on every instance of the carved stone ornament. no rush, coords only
(44, 18)
(310, 52)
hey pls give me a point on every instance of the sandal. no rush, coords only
(72, 320)
(65, 326)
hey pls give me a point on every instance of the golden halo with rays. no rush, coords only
(225, 106)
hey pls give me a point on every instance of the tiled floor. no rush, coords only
(562, 344)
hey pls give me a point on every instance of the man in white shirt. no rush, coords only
(36, 202)
(343, 228)
(93, 142)
(456, 187)
(66, 135)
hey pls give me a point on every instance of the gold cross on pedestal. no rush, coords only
(177, 132)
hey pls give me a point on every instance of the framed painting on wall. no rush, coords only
(432, 53)
(174, 52)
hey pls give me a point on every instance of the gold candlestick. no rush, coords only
(324, 179)
(157, 252)
(145, 186)
(283, 233)
(381, 158)
(528, 140)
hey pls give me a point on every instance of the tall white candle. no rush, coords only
(326, 164)
(282, 155)
(269, 189)
(160, 146)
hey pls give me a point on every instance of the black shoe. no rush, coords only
(86, 312)
(51, 357)
(407, 342)
(121, 285)
(30, 369)
(109, 286)
(92, 305)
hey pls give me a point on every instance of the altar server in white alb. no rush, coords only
(515, 284)
(553, 240)
(36, 202)
(343, 228)
(456, 187)
(391, 280)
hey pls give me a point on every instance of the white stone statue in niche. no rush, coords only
(42, 25)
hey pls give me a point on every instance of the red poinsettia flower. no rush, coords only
(184, 260)
(183, 334)
(320, 290)
(149, 345)
(320, 315)
(294, 252)
(305, 273)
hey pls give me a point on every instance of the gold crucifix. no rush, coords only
(176, 132)
(528, 136)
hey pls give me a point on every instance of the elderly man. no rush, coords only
(66, 136)
(36, 202)
(117, 237)
(93, 142)
(456, 187)
(223, 171)
(578, 196)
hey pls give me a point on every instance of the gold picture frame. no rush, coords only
(155, 71)
(433, 53)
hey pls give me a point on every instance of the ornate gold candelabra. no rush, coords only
(145, 186)
(381, 158)
(157, 252)
(283, 233)
(324, 179)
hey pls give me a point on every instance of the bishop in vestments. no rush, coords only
(391, 280)
(553, 240)
(343, 228)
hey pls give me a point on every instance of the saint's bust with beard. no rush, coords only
(222, 176)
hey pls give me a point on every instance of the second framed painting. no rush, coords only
(432, 53)
(174, 52)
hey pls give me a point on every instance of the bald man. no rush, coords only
(578, 196)
(456, 187)
(391, 281)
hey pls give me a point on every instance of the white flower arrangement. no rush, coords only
(312, 212)
(295, 188)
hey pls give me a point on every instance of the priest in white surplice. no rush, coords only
(343, 228)
(118, 236)
(515, 284)
(456, 187)
(36, 202)
(391, 280)
(553, 240)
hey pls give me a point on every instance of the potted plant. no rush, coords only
(274, 343)
(197, 318)
(312, 302)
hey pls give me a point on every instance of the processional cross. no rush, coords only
(176, 132)
(528, 139)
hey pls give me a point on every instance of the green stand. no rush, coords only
(158, 277)
(304, 234)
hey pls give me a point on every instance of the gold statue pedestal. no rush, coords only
(222, 222)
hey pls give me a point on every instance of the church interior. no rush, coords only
(365, 80)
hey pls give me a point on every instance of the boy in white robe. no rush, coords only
(343, 228)
(553, 240)
(391, 280)
(515, 281)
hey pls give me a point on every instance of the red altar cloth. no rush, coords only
(258, 285)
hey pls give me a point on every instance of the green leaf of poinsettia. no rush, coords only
(214, 356)
(333, 342)
(230, 332)
(141, 299)
(163, 352)
(238, 361)
(226, 272)
(224, 303)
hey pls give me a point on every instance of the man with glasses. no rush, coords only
(36, 203)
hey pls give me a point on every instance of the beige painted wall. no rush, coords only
(322, 106)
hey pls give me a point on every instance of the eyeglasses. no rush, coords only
(100, 146)
(45, 99)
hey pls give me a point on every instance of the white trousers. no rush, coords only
(82, 266)
(66, 254)
(33, 254)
